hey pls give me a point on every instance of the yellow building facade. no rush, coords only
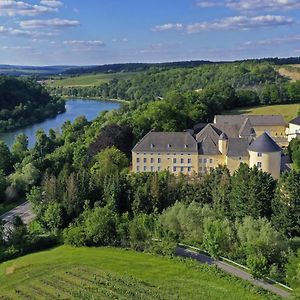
(201, 151)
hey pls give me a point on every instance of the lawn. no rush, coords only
(86, 80)
(289, 111)
(109, 273)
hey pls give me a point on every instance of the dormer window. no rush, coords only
(169, 146)
(186, 146)
(152, 146)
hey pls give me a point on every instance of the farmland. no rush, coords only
(290, 71)
(108, 273)
(289, 111)
(86, 80)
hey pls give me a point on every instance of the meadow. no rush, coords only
(110, 273)
(86, 80)
(289, 111)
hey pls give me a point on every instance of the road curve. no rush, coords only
(231, 270)
(24, 211)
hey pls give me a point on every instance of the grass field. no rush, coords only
(109, 273)
(290, 71)
(289, 111)
(86, 80)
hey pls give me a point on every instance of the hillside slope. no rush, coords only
(107, 273)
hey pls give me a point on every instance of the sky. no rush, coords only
(93, 32)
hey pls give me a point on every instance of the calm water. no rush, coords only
(74, 108)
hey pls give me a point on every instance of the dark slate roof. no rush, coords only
(159, 141)
(208, 146)
(256, 120)
(238, 147)
(223, 136)
(211, 131)
(246, 129)
(264, 144)
(208, 140)
(296, 121)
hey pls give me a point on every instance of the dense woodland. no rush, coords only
(24, 102)
(84, 194)
(257, 83)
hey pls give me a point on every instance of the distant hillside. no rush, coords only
(137, 67)
(32, 71)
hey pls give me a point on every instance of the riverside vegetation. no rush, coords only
(24, 102)
(84, 194)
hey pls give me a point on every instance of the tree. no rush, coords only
(109, 161)
(286, 204)
(3, 185)
(53, 217)
(217, 237)
(293, 273)
(20, 147)
(6, 161)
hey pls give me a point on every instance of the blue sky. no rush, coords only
(81, 32)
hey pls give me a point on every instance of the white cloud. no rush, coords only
(93, 43)
(240, 23)
(271, 5)
(8, 31)
(169, 26)
(15, 47)
(13, 8)
(50, 23)
(51, 3)
(208, 4)
(274, 41)
(251, 6)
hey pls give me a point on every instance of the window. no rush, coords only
(138, 168)
(259, 165)
(145, 168)
(189, 161)
(259, 154)
(174, 160)
(152, 168)
(174, 169)
(137, 160)
(200, 160)
(211, 169)
(145, 160)
(189, 169)
(152, 160)
(211, 161)
(159, 160)
(205, 160)
(181, 169)
(181, 160)
(158, 169)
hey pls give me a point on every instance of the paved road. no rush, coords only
(231, 270)
(24, 211)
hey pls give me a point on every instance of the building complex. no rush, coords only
(230, 140)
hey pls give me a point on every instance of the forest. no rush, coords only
(23, 102)
(260, 83)
(83, 192)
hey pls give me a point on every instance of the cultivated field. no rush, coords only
(86, 80)
(289, 111)
(107, 273)
(290, 71)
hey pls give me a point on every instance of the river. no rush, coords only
(74, 108)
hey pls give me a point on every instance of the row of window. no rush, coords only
(205, 160)
(181, 160)
(154, 169)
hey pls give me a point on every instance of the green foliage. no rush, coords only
(20, 147)
(286, 204)
(24, 102)
(6, 160)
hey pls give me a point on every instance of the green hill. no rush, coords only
(108, 273)
(289, 111)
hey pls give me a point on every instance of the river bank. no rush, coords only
(95, 98)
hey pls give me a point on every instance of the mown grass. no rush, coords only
(289, 111)
(86, 80)
(290, 71)
(109, 273)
